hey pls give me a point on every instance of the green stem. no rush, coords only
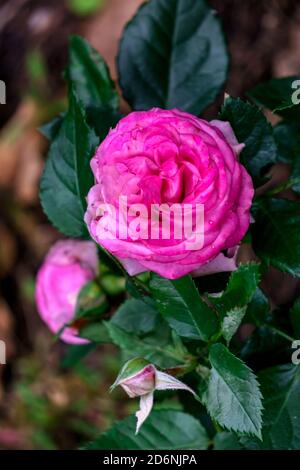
(280, 333)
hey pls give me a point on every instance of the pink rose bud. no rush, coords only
(68, 266)
(139, 378)
(169, 157)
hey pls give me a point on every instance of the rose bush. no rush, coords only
(161, 156)
(68, 266)
(205, 333)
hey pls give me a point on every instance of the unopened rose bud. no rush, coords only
(139, 378)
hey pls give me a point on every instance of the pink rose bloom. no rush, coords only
(169, 156)
(68, 266)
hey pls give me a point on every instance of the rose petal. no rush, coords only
(146, 404)
(168, 382)
(220, 264)
(228, 133)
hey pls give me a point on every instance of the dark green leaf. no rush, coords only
(281, 389)
(95, 332)
(240, 288)
(287, 136)
(136, 288)
(231, 322)
(67, 177)
(102, 120)
(173, 55)
(251, 128)
(277, 95)
(156, 347)
(182, 306)
(163, 430)
(232, 397)
(50, 129)
(232, 304)
(258, 308)
(226, 441)
(276, 234)
(90, 76)
(136, 316)
(91, 301)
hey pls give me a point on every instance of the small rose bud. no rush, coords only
(139, 378)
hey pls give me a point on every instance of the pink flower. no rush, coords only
(68, 266)
(140, 378)
(141, 383)
(170, 157)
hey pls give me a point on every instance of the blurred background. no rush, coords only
(44, 404)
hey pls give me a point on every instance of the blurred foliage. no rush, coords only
(84, 7)
(55, 408)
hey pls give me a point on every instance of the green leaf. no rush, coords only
(251, 128)
(232, 304)
(173, 55)
(295, 317)
(258, 308)
(182, 306)
(89, 75)
(67, 177)
(276, 235)
(91, 301)
(240, 288)
(102, 120)
(226, 441)
(95, 332)
(288, 141)
(232, 321)
(164, 430)
(136, 316)
(232, 396)
(276, 95)
(136, 288)
(287, 136)
(281, 390)
(50, 129)
(156, 348)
